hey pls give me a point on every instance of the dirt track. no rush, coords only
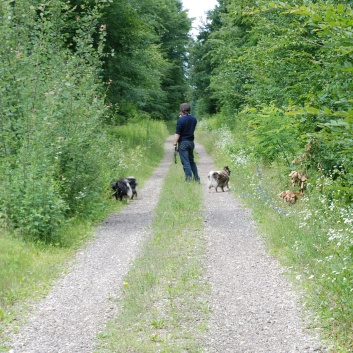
(254, 308)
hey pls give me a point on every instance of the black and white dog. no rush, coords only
(219, 178)
(124, 188)
(133, 183)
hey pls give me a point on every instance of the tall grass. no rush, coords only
(18, 260)
(164, 306)
(137, 148)
(312, 238)
(27, 268)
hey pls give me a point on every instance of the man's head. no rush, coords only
(185, 108)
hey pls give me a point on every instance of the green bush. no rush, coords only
(57, 153)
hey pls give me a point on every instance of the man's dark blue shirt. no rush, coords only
(185, 128)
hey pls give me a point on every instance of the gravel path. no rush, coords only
(254, 308)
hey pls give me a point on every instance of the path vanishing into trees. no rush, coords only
(254, 307)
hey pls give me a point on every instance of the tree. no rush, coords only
(201, 63)
(146, 56)
(52, 106)
(292, 56)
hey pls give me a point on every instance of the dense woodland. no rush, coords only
(281, 72)
(71, 72)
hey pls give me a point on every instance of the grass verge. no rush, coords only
(164, 306)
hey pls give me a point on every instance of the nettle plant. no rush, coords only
(52, 104)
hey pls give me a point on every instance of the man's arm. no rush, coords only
(176, 139)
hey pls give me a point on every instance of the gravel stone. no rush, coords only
(254, 308)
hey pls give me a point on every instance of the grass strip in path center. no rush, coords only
(164, 306)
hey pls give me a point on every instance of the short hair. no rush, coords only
(185, 108)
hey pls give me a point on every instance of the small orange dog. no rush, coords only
(290, 196)
(299, 179)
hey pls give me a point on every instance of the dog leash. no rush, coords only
(175, 154)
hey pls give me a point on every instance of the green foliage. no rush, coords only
(51, 117)
(292, 56)
(273, 135)
(201, 64)
(34, 205)
(146, 56)
(134, 144)
(57, 156)
(173, 31)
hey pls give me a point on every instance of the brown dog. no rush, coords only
(219, 178)
(299, 179)
(290, 196)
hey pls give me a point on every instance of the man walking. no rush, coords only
(184, 142)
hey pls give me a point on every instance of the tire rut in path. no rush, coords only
(254, 308)
(79, 304)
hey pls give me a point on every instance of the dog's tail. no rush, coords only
(211, 174)
(129, 190)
